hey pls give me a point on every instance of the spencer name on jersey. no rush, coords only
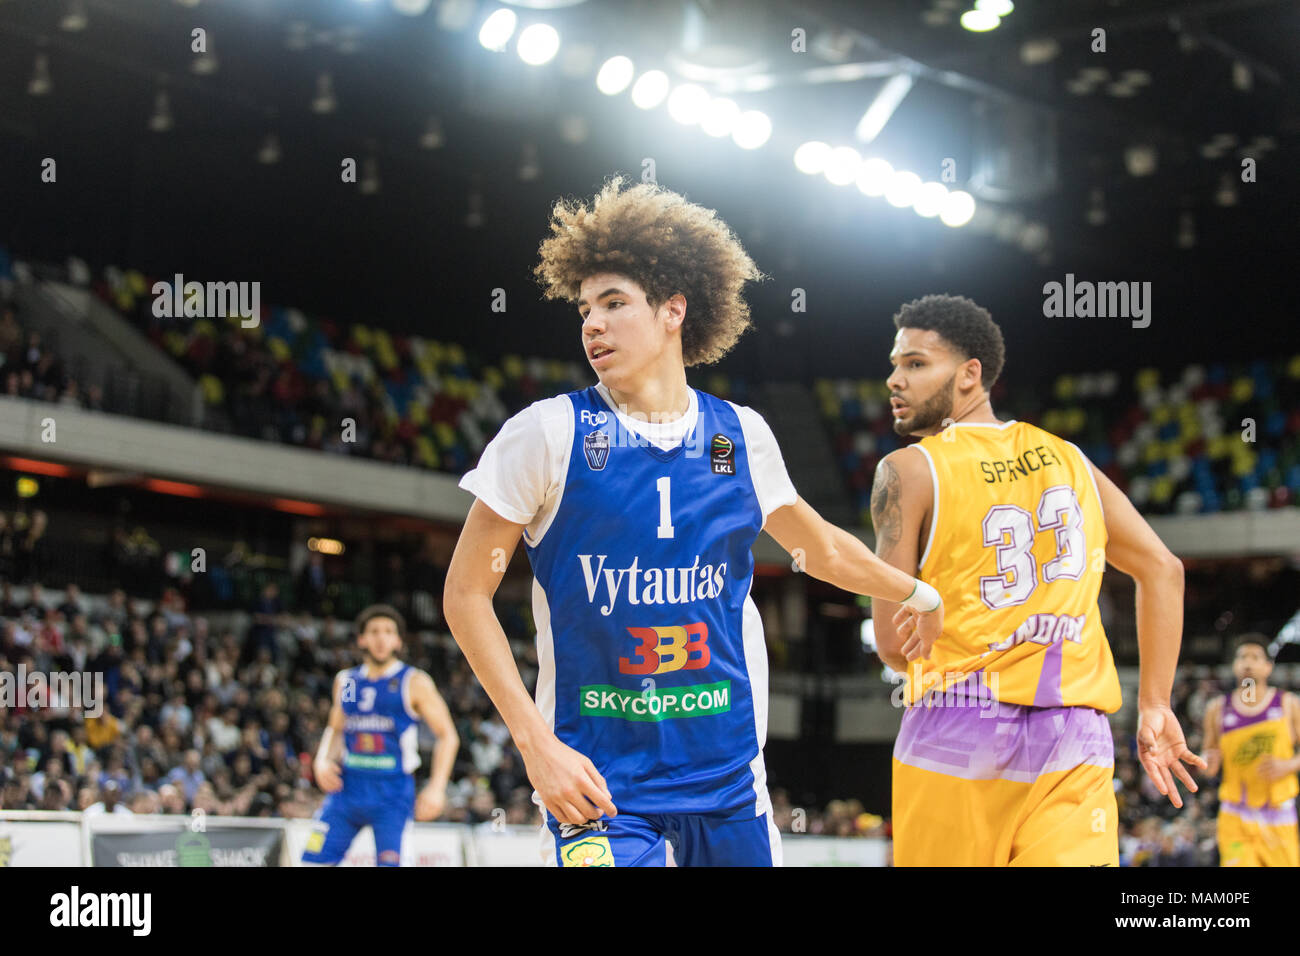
(649, 586)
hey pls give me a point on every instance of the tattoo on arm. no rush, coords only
(886, 511)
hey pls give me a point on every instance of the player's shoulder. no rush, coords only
(752, 422)
(907, 462)
(553, 409)
(343, 677)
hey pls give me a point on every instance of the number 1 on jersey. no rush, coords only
(664, 485)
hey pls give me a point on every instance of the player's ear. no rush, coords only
(675, 312)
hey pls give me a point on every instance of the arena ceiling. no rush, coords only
(1124, 163)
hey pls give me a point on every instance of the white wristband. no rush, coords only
(323, 751)
(923, 598)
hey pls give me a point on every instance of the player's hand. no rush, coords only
(570, 786)
(918, 631)
(1162, 750)
(329, 777)
(1270, 768)
(431, 802)
(1213, 759)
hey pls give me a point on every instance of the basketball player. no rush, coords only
(1012, 762)
(638, 500)
(1251, 734)
(367, 756)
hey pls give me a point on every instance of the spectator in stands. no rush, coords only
(109, 801)
(189, 776)
(30, 552)
(313, 584)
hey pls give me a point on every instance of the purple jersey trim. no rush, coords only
(1245, 720)
(990, 740)
(1278, 816)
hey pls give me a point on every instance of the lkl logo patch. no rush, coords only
(595, 446)
(722, 454)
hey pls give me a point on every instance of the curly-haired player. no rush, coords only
(639, 500)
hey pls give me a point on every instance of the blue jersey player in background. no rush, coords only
(639, 500)
(367, 756)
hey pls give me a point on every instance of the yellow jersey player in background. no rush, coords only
(1251, 734)
(1005, 756)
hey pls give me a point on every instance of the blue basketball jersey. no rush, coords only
(651, 654)
(379, 730)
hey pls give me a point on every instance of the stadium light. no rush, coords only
(74, 20)
(883, 107)
(958, 209)
(324, 101)
(930, 199)
(614, 75)
(497, 30)
(980, 21)
(842, 165)
(650, 89)
(161, 120)
(39, 84)
(720, 116)
(902, 189)
(687, 102)
(753, 129)
(811, 157)
(538, 44)
(999, 8)
(874, 176)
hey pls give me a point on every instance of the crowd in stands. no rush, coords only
(1200, 439)
(1205, 439)
(1152, 831)
(31, 368)
(299, 379)
(196, 716)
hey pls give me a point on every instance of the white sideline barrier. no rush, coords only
(39, 838)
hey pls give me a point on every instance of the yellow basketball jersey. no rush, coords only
(1244, 739)
(1016, 548)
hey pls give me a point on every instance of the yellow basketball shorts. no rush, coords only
(991, 784)
(1258, 836)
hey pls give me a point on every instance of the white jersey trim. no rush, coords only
(934, 505)
(755, 648)
(982, 424)
(1087, 466)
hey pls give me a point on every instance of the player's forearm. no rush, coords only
(474, 625)
(331, 746)
(853, 567)
(1160, 630)
(444, 758)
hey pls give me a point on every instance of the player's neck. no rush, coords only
(978, 411)
(374, 671)
(663, 399)
(1260, 691)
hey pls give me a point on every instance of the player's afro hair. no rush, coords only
(969, 329)
(665, 245)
